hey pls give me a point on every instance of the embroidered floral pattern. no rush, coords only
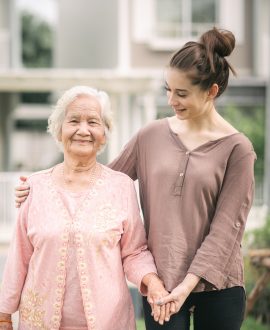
(31, 310)
(72, 236)
(105, 217)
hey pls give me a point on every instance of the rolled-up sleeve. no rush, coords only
(218, 250)
(137, 259)
(16, 267)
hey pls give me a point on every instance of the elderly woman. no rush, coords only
(78, 234)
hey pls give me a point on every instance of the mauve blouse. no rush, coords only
(195, 203)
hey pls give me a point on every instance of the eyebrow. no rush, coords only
(177, 89)
(74, 114)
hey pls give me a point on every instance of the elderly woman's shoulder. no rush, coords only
(37, 177)
(117, 176)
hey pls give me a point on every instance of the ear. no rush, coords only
(104, 140)
(213, 91)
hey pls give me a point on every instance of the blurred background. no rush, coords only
(122, 47)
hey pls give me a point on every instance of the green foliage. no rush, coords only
(37, 42)
(37, 50)
(140, 325)
(250, 121)
(258, 239)
(249, 324)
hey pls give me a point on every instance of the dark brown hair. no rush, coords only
(205, 61)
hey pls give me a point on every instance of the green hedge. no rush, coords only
(258, 239)
(249, 324)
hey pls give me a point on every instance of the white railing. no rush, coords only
(8, 212)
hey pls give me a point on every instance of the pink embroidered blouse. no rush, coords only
(103, 239)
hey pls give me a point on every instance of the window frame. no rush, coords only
(143, 23)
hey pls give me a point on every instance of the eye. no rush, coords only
(181, 95)
(167, 89)
(93, 122)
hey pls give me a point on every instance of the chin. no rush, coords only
(181, 116)
(84, 153)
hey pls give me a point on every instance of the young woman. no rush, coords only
(196, 182)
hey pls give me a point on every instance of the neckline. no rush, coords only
(85, 191)
(177, 138)
(92, 190)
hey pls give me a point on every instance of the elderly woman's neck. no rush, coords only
(79, 165)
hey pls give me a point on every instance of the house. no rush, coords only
(122, 46)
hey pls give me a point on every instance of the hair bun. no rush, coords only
(218, 41)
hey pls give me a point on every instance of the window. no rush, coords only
(164, 25)
(184, 18)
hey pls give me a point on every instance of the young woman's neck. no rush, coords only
(207, 122)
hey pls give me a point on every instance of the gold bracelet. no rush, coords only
(6, 321)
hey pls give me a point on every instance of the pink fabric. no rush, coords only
(73, 304)
(109, 241)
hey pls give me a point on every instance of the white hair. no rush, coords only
(57, 117)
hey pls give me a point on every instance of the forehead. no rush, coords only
(84, 103)
(176, 78)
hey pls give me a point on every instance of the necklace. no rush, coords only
(94, 173)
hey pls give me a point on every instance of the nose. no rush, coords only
(172, 100)
(83, 128)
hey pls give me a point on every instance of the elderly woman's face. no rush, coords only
(83, 130)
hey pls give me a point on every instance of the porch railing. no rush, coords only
(8, 212)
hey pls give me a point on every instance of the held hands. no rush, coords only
(177, 297)
(179, 294)
(155, 291)
(21, 192)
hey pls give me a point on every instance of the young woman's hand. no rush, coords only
(155, 291)
(21, 191)
(179, 295)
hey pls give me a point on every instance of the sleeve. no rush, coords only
(16, 267)
(137, 259)
(218, 250)
(126, 162)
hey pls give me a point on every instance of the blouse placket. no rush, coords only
(181, 175)
(73, 224)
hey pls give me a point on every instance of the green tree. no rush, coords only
(37, 42)
(37, 50)
(251, 121)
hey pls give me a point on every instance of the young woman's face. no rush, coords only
(83, 130)
(188, 101)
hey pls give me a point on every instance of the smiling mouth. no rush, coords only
(180, 110)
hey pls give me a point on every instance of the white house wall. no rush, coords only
(87, 34)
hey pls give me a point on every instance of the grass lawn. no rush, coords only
(249, 324)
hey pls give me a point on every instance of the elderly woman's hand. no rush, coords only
(21, 191)
(156, 291)
(6, 326)
(179, 294)
(5, 322)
